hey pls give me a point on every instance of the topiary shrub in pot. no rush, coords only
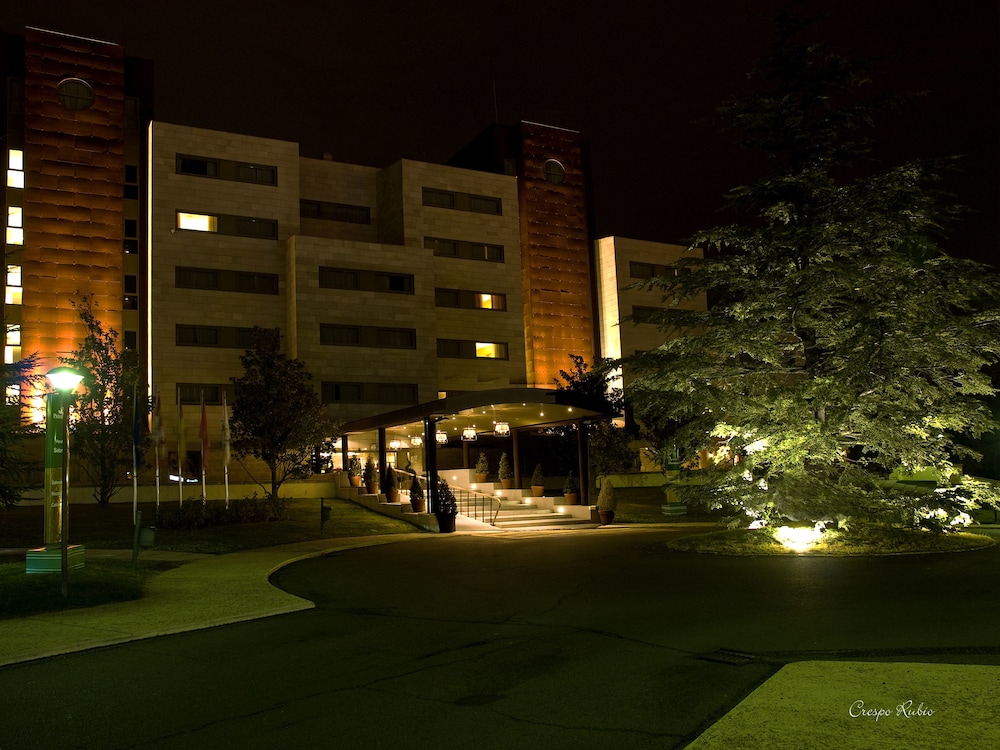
(482, 468)
(606, 503)
(538, 482)
(505, 472)
(571, 490)
(354, 470)
(389, 487)
(445, 507)
(418, 503)
(370, 477)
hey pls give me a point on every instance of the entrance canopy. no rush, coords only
(478, 410)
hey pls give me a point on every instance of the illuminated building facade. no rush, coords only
(396, 285)
(73, 150)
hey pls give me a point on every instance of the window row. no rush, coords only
(445, 248)
(335, 212)
(469, 300)
(371, 336)
(224, 169)
(234, 226)
(223, 280)
(369, 393)
(639, 270)
(481, 204)
(225, 337)
(365, 280)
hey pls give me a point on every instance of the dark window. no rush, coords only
(130, 340)
(470, 300)
(131, 174)
(339, 278)
(445, 248)
(130, 284)
(335, 335)
(191, 393)
(131, 247)
(197, 278)
(441, 198)
(472, 349)
(197, 335)
(131, 228)
(396, 338)
(130, 192)
(555, 173)
(342, 392)
(259, 173)
(397, 393)
(483, 205)
(395, 282)
(261, 228)
(194, 165)
(257, 283)
(130, 302)
(638, 270)
(335, 212)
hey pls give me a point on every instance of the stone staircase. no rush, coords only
(519, 510)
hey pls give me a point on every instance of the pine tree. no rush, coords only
(16, 379)
(840, 344)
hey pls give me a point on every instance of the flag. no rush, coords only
(225, 432)
(156, 433)
(181, 442)
(203, 434)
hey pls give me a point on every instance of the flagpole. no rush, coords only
(203, 434)
(157, 441)
(135, 451)
(180, 450)
(225, 445)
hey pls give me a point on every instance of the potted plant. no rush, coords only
(505, 473)
(606, 503)
(446, 507)
(482, 468)
(418, 503)
(538, 482)
(354, 470)
(571, 490)
(389, 486)
(369, 477)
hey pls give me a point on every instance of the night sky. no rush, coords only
(381, 80)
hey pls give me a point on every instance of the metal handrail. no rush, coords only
(473, 504)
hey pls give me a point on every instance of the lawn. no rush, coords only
(106, 581)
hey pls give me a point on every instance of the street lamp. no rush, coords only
(64, 380)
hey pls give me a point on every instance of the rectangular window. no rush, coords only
(472, 349)
(639, 270)
(260, 228)
(197, 335)
(445, 248)
(482, 204)
(470, 300)
(401, 283)
(396, 338)
(336, 335)
(342, 393)
(259, 173)
(197, 166)
(191, 393)
(197, 278)
(197, 222)
(15, 168)
(397, 393)
(217, 280)
(335, 212)
(339, 278)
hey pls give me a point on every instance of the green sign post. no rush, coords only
(54, 435)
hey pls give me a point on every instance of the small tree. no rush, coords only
(15, 379)
(505, 471)
(277, 415)
(103, 431)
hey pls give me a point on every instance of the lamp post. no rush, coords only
(64, 380)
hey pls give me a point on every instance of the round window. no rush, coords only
(75, 94)
(555, 172)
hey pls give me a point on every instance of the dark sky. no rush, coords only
(371, 82)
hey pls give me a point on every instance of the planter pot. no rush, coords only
(571, 498)
(355, 481)
(392, 496)
(506, 483)
(480, 478)
(418, 505)
(538, 490)
(446, 523)
(372, 488)
(607, 517)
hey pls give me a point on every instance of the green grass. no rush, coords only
(98, 582)
(110, 527)
(871, 540)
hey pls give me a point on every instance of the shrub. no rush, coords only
(505, 472)
(482, 465)
(538, 478)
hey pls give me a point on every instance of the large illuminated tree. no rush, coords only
(840, 344)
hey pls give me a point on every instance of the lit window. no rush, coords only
(15, 160)
(11, 354)
(13, 291)
(486, 301)
(15, 178)
(197, 222)
(13, 392)
(15, 236)
(13, 296)
(487, 350)
(13, 335)
(15, 216)
(13, 276)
